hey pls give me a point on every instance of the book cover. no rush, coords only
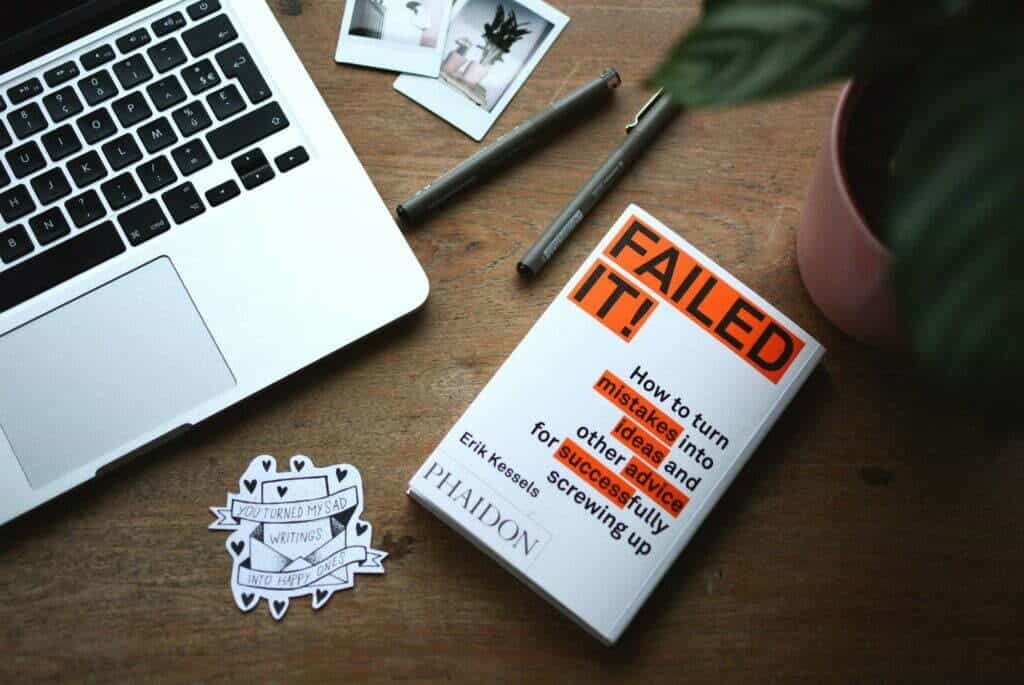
(592, 456)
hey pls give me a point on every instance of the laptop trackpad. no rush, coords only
(104, 370)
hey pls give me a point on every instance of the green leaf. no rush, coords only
(956, 221)
(743, 50)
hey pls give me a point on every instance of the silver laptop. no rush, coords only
(182, 223)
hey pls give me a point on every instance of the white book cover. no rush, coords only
(593, 455)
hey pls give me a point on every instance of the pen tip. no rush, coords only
(524, 270)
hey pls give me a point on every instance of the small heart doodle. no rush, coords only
(341, 473)
(298, 465)
(250, 485)
(266, 464)
(279, 606)
(238, 546)
(361, 528)
(247, 598)
(281, 489)
(321, 595)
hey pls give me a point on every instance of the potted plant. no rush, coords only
(499, 37)
(912, 231)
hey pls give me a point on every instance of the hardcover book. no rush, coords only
(594, 454)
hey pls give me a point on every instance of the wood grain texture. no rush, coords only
(875, 535)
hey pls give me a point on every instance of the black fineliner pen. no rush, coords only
(496, 156)
(658, 113)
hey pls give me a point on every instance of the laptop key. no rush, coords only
(25, 159)
(132, 71)
(166, 93)
(183, 203)
(97, 57)
(49, 226)
(200, 77)
(5, 137)
(86, 169)
(122, 151)
(24, 91)
(51, 186)
(133, 41)
(4, 178)
(203, 9)
(191, 157)
(27, 121)
(209, 35)
(192, 119)
(96, 126)
(16, 203)
(61, 142)
(98, 87)
(14, 244)
(166, 55)
(258, 177)
(85, 208)
(168, 24)
(61, 74)
(247, 130)
(121, 191)
(59, 264)
(144, 222)
(236, 63)
(157, 135)
(132, 109)
(250, 161)
(62, 104)
(156, 174)
(226, 102)
(218, 195)
(292, 159)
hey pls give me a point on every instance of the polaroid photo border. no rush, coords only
(370, 39)
(454, 102)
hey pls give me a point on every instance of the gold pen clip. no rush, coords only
(644, 110)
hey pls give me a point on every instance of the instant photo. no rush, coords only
(398, 35)
(492, 47)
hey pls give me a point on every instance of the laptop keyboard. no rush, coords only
(97, 152)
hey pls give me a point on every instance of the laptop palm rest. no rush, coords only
(100, 372)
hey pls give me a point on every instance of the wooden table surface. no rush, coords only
(875, 535)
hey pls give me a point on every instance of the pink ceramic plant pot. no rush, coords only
(844, 266)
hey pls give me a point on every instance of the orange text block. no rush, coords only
(633, 403)
(647, 481)
(615, 301)
(593, 472)
(645, 445)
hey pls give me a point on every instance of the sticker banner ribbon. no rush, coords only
(304, 511)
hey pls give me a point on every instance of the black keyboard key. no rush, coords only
(14, 244)
(98, 87)
(166, 93)
(27, 121)
(191, 157)
(250, 161)
(132, 109)
(16, 203)
(168, 24)
(292, 159)
(25, 159)
(203, 9)
(122, 151)
(133, 41)
(25, 91)
(4, 178)
(121, 191)
(192, 119)
(61, 142)
(97, 57)
(166, 55)
(49, 226)
(132, 71)
(209, 35)
(226, 102)
(236, 62)
(220, 194)
(143, 223)
(96, 126)
(157, 135)
(61, 74)
(258, 177)
(5, 137)
(200, 77)
(156, 174)
(87, 169)
(51, 186)
(85, 208)
(183, 203)
(247, 130)
(60, 264)
(62, 104)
